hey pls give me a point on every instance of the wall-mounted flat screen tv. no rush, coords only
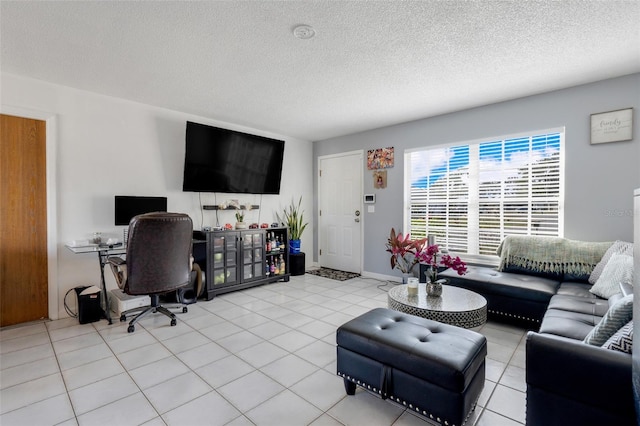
(128, 206)
(222, 160)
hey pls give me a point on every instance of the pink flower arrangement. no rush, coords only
(406, 253)
(429, 256)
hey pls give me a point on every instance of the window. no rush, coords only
(472, 195)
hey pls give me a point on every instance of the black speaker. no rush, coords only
(89, 309)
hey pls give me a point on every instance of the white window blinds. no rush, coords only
(473, 195)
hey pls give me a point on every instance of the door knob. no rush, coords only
(357, 212)
(357, 220)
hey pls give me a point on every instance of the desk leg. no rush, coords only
(102, 258)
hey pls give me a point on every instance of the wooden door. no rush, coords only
(23, 220)
(340, 216)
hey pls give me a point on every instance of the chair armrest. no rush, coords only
(578, 371)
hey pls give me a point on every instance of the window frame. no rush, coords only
(484, 259)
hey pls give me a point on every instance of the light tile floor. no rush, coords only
(262, 356)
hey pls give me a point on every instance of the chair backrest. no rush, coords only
(158, 253)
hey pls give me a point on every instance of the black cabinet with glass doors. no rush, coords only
(240, 259)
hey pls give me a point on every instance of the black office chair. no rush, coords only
(158, 260)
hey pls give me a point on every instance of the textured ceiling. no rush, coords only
(371, 64)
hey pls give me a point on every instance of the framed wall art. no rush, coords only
(380, 179)
(381, 158)
(612, 126)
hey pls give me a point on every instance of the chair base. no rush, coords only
(155, 307)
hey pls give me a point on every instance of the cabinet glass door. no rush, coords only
(252, 255)
(225, 267)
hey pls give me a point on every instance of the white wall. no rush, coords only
(108, 146)
(599, 179)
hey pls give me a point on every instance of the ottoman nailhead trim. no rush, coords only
(418, 409)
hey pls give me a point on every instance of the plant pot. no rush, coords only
(241, 225)
(434, 289)
(294, 246)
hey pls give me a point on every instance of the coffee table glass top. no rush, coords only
(456, 306)
(452, 299)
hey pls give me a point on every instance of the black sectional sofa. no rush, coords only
(569, 382)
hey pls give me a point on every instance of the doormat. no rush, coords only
(334, 274)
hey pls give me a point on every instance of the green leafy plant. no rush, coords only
(293, 218)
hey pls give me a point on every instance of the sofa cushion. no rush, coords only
(622, 340)
(573, 325)
(593, 306)
(617, 316)
(618, 270)
(576, 289)
(487, 280)
(618, 247)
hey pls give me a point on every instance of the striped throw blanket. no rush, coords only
(550, 255)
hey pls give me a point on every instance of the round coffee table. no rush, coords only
(456, 306)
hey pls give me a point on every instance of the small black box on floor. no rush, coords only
(89, 309)
(296, 263)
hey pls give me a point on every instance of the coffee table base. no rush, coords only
(469, 319)
(456, 306)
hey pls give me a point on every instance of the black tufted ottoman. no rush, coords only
(434, 369)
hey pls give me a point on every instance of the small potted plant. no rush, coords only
(429, 255)
(293, 218)
(404, 252)
(240, 220)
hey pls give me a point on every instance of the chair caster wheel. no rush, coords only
(131, 329)
(173, 322)
(123, 318)
(184, 310)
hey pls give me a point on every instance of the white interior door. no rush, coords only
(340, 215)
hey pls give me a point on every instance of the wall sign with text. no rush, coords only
(612, 126)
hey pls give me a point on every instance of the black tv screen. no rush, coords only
(222, 160)
(127, 206)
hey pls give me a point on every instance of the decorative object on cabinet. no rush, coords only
(240, 220)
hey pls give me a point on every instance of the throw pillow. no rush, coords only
(619, 269)
(622, 340)
(617, 316)
(618, 247)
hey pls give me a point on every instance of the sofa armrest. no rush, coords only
(585, 373)
(626, 289)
